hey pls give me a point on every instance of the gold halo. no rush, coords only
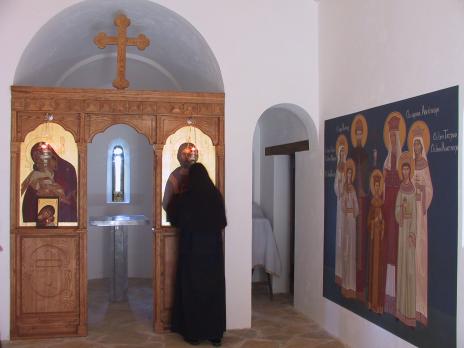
(425, 137)
(386, 135)
(350, 164)
(365, 130)
(341, 139)
(371, 180)
(405, 157)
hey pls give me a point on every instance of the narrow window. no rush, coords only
(118, 174)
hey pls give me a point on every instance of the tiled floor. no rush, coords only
(275, 324)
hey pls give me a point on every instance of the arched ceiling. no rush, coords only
(284, 122)
(62, 52)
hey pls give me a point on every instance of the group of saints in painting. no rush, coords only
(381, 227)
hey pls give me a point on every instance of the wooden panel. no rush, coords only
(287, 149)
(158, 167)
(14, 184)
(166, 265)
(49, 274)
(143, 124)
(26, 98)
(47, 289)
(28, 121)
(220, 168)
(168, 125)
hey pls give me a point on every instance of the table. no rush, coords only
(264, 246)
(119, 283)
(264, 251)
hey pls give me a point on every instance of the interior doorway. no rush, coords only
(120, 183)
(279, 134)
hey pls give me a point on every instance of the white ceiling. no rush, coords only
(62, 53)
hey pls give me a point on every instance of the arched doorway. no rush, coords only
(133, 179)
(281, 142)
(71, 60)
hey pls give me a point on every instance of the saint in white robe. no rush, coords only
(338, 187)
(350, 212)
(405, 213)
(424, 193)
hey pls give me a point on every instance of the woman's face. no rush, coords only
(42, 157)
(377, 187)
(342, 153)
(349, 174)
(393, 141)
(53, 164)
(417, 147)
(188, 156)
(406, 170)
(359, 136)
(45, 214)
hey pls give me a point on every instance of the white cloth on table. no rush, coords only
(264, 251)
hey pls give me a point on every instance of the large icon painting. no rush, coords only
(186, 146)
(390, 246)
(48, 169)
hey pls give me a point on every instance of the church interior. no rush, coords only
(251, 85)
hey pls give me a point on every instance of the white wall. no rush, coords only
(256, 171)
(372, 53)
(268, 54)
(140, 257)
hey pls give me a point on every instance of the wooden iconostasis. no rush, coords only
(51, 128)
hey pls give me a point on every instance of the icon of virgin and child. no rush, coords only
(51, 176)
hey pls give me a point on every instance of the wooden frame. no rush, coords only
(84, 113)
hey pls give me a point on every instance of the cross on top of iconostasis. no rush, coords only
(121, 40)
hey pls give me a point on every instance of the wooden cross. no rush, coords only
(121, 40)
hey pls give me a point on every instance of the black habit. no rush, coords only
(199, 311)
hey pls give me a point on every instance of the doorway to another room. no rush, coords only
(120, 258)
(279, 136)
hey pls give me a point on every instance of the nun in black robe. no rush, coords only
(199, 304)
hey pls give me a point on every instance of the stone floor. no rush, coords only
(275, 324)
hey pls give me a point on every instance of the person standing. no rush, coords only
(376, 226)
(405, 213)
(341, 149)
(350, 212)
(199, 311)
(359, 155)
(419, 142)
(394, 134)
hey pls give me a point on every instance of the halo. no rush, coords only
(425, 136)
(340, 140)
(365, 130)
(371, 180)
(350, 164)
(402, 128)
(405, 157)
